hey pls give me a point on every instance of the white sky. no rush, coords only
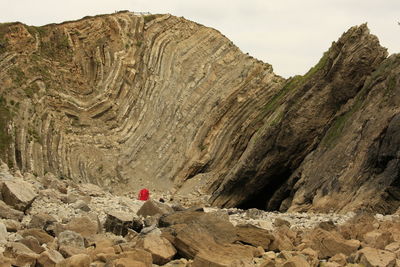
(289, 34)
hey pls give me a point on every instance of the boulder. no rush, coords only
(20, 254)
(160, 248)
(12, 225)
(378, 239)
(70, 238)
(83, 225)
(78, 260)
(340, 258)
(6, 212)
(328, 244)
(18, 194)
(394, 247)
(151, 208)
(195, 242)
(358, 226)
(49, 258)
(32, 243)
(219, 227)
(252, 235)
(39, 234)
(296, 261)
(41, 220)
(280, 242)
(311, 256)
(372, 257)
(118, 222)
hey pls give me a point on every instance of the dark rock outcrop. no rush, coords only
(292, 163)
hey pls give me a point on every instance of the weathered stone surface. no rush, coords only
(41, 220)
(83, 225)
(219, 227)
(79, 260)
(50, 258)
(118, 222)
(32, 243)
(329, 244)
(139, 255)
(5, 262)
(20, 254)
(378, 239)
(281, 242)
(6, 212)
(151, 208)
(39, 234)
(296, 261)
(372, 257)
(12, 225)
(340, 259)
(69, 251)
(194, 241)
(70, 238)
(18, 194)
(249, 234)
(221, 259)
(393, 247)
(160, 248)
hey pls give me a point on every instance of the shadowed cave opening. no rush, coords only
(270, 196)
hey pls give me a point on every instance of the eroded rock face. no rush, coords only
(296, 122)
(126, 98)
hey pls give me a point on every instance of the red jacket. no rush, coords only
(144, 194)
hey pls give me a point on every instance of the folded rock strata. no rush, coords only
(128, 100)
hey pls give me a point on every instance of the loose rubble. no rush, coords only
(52, 222)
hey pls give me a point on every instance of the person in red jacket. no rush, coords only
(144, 194)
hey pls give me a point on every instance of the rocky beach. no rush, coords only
(46, 221)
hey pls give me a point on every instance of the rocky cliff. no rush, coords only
(127, 100)
(123, 98)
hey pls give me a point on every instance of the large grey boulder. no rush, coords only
(70, 238)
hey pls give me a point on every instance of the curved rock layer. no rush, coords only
(128, 99)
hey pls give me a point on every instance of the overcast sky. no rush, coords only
(289, 34)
